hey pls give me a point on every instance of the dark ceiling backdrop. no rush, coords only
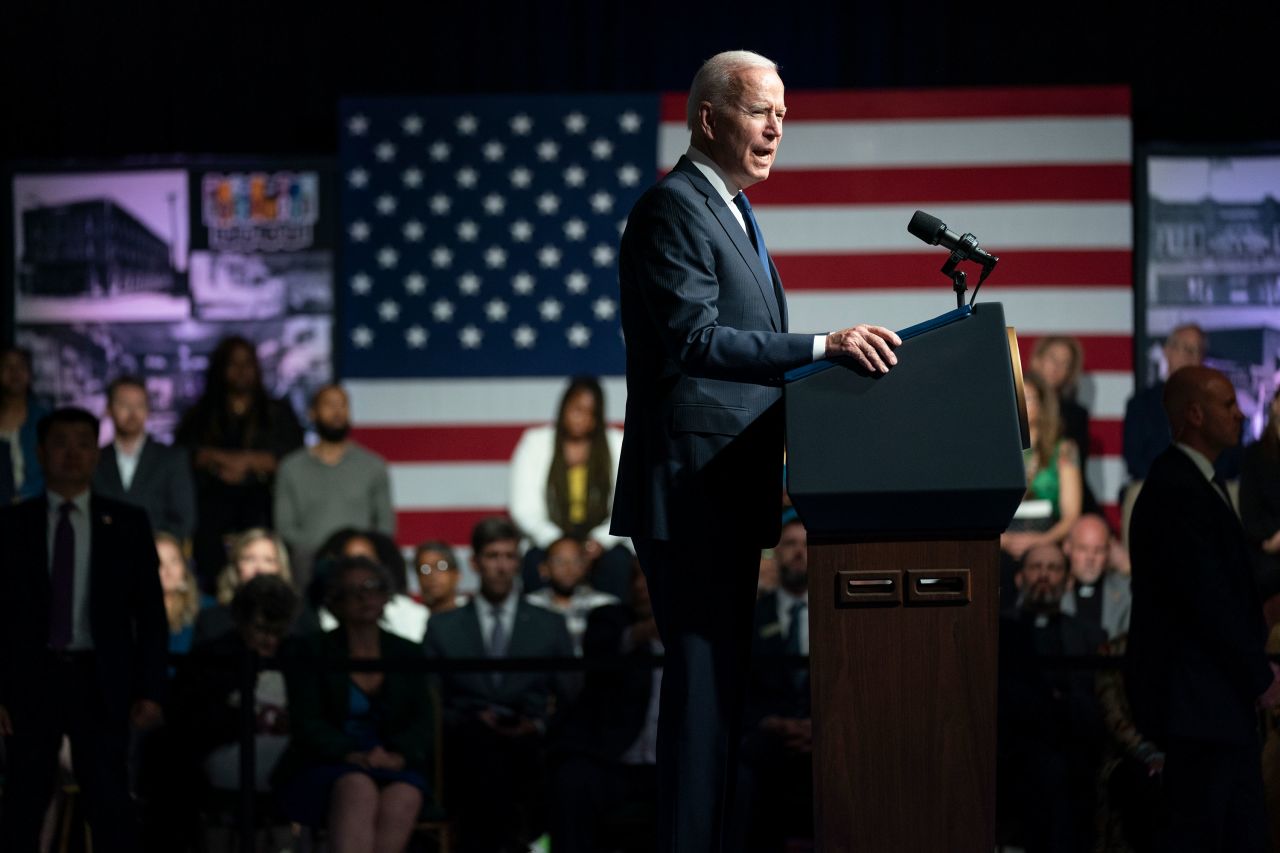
(114, 78)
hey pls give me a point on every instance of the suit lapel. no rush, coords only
(146, 466)
(110, 466)
(472, 637)
(720, 211)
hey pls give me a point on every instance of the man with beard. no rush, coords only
(332, 485)
(1050, 723)
(568, 591)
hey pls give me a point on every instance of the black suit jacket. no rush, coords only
(537, 632)
(706, 335)
(1195, 663)
(614, 705)
(161, 485)
(1260, 511)
(126, 607)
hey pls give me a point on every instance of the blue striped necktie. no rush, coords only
(753, 230)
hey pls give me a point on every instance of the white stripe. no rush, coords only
(505, 400)
(448, 485)
(1106, 474)
(1105, 392)
(1031, 310)
(935, 142)
(999, 227)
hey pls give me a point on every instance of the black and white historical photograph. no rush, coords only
(101, 246)
(253, 286)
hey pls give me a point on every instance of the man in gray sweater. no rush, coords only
(332, 485)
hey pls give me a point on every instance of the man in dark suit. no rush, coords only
(495, 722)
(1196, 671)
(1146, 427)
(137, 469)
(83, 639)
(699, 481)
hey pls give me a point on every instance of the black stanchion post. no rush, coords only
(248, 730)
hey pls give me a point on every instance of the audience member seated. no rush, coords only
(775, 779)
(401, 615)
(82, 639)
(1146, 427)
(568, 592)
(438, 577)
(1050, 724)
(605, 747)
(137, 469)
(562, 479)
(199, 750)
(1260, 501)
(1096, 593)
(254, 552)
(182, 598)
(361, 742)
(236, 435)
(1054, 481)
(496, 721)
(20, 473)
(1059, 360)
(332, 485)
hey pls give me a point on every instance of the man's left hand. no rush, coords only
(145, 714)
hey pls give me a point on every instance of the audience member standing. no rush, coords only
(1260, 501)
(334, 484)
(137, 469)
(82, 639)
(360, 751)
(236, 435)
(568, 591)
(562, 479)
(496, 721)
(1146, 426)
(1059, 360)
(1098, 594)
(20, 474)
(1196, 670)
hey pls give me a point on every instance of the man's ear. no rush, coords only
(707, 119)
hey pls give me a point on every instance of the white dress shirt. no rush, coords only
(81, 527)
(128, 462)
(728, 190)
(786, 601)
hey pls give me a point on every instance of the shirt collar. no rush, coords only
(137, 451)
(80, 501)
(1202, 462)
(787, 600)
(723, 184)
(504, 608)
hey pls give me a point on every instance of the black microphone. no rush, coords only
(933, 231)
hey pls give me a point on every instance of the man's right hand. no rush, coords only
(1270, 698)
(870, 346)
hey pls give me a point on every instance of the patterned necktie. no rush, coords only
(497, 642)
(62, 579)
(753, 231)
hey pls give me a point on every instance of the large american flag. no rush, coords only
(481, 234)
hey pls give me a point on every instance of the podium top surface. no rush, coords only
(906, 334)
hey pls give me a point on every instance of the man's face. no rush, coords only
(436, 577)
(1088, 547)
(1043, 577)
(565, 566)
(332, 411)
(792, 554)
(15, 376)
(68, 455)
(1185, 348)
(496, 564)
(1220, 415)
(743, 136)
(129, 411)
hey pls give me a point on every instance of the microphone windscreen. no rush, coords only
(927, 228)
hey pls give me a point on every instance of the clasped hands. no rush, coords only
(870, 346)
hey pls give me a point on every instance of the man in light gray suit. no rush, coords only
(137, 469)
(700, 478)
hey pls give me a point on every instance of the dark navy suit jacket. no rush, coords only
(1195, 663)
(162, 485)
(707, 345)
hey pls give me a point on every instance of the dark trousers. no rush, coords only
(1213, 797)
(703, 596)
(71, 704)
(586, 788)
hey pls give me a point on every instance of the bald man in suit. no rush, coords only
(700, 478)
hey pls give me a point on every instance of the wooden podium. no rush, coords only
(904, 483)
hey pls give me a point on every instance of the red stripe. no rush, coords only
(1113, 515)
(442, 443)
(921, 269)
(1101, 352)
(940, 103)
(920, 186)
(452, 525)
(1106, 436)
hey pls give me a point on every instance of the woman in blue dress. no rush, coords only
(361, 742)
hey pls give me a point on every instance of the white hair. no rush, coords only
(717, 80)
